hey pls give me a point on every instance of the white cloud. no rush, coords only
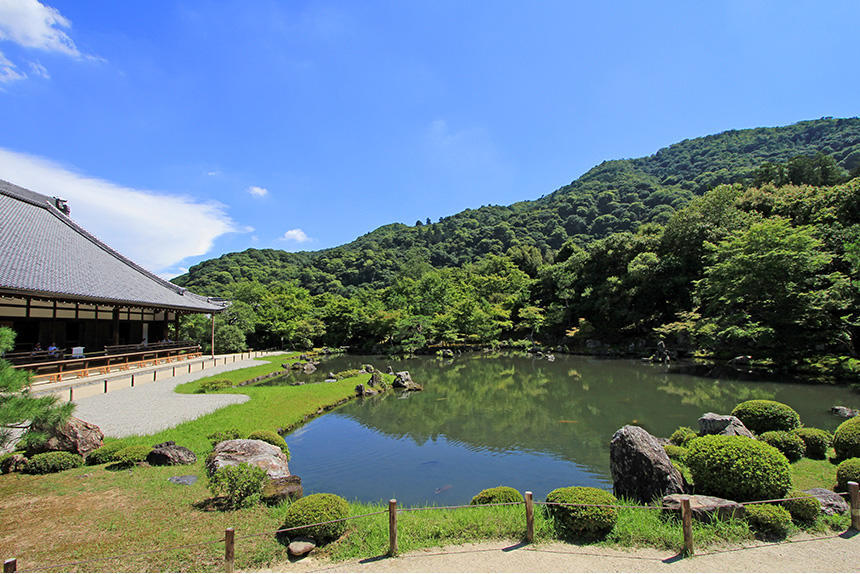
(31, 24)
(296, 235)
(214, 173)
(9, 71)
(39, 70)
(155, 230)
(258, 191)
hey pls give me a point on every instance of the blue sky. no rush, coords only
(183, 130)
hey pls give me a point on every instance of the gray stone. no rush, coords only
(704, 507)
(844, 412)
(185, 479)
(403, 380)
(330, 380)
(170, 454)
(550, 358)
(301, 546)
(640, 467)
(75, 436)
(253, 452)
(309, 368)
(281, 489)
(368, 368)
(13, 463)
(831, 503)
(712, 423)
(362, 391)
(376, 379)
(390, 370)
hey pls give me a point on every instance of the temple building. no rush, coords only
(62, 287)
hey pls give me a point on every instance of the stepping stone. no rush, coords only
(301, 546)
(185, 479)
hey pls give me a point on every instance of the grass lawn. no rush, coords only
(92, 512)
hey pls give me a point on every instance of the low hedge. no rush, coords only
(768, 520)
(761, 416)
(788, 443)
(321, 507)
(682, 436)
(582, 521)
(817, 441)
(738, 468)
(847, 471)
(105, 454)
(221, 436)
(496, 495)
(846, 439)
(131, 455)
(272, 438)
(55, 461)
(803, 507)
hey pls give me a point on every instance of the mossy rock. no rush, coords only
(817, 441)
(846, 439)
(788, 443)
(582, 521)
(761, 416)
(496, 495)
(847, 471)
(272, 438)
(768, 521)
(50, 462)
(313, 509)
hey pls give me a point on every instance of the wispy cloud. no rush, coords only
(39, 70)
(31, 24)
(257, 191)
(296, 235)
(8, 71)
(156, 230)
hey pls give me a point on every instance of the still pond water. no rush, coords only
(489, 420)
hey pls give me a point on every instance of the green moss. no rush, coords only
(761, 416)
(496, 495)
(582, 521)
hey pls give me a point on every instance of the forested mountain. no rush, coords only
(614, 196)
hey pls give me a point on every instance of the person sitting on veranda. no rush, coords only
(53, 350)
(37, 348)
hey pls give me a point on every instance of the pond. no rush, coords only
(495, 419)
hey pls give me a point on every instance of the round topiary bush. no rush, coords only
(497, 495)
(682, 436)
(321, 507)
(802, 507)
(272, 438)
(846, 439)
(131, 455)
(585, 521)
(761, 416)
(768, 520)
(738, 468)
(105, 454)
(817, 441)
(55, 461)
(675, 452)
(847, 471)
(788, 443)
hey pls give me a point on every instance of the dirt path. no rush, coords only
(839, 553)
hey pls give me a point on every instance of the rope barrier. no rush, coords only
(648, 507)
(118, 556)
(461, 506)
(269, 533)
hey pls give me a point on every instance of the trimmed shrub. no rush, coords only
(804, 508)
(761, 416)
(105, 454)
(216, 385)
(241, 484)
(682, 436)
(738, 468)
(817, 441)
(221, 436)
(272, 438)
(497, 495)
(847, 471)
(675, 452)
(131, 455)
(55, 461)
(768, 520)
(584, 521)
(788, 443)
(347, 373)
(846, 439)
(321, 507)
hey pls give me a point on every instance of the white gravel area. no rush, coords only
(152, 407)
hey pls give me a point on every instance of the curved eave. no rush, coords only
(73, 298)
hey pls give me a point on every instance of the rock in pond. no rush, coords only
(301, 546)
(704, 507)
(844, 412)
(281, 489)
(362, 391)
(831, 503)
(170, 454)
(640, 467)
(712, 423)
(253, 452)
(403, 380)
(75, 436)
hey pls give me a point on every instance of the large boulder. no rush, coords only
(252, 452)
(403, 380)
(712, 423)
(640, 467)
(278, 490)
(831, 503)
(13, 463)
(704, 508)
(170, 454)
(75, 435)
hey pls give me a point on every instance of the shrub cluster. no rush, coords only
(272, 438)
(216, 385)
(761, 416)
(584, 521)
(496, 495)
(803, 507)
(675, 452)
(846, 439)
(321, 507)
(768, 520)
(131, 455)
(817, 441)
(241, 484)
(847, 471)
(788, 443)
(221, 436)
(738, 468)
(682, 436)
(105, 454)
(55, 461)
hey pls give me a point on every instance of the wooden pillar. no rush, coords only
(530, 517)
(213, 335)
(116, 325)
(229, 549)
(854, 495)
(176, 326)
(687, 523)
(392, 527)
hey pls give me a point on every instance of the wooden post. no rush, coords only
(213, 335)
(154, 374)
(854, 495)
(530, 517)
(105, 386)
(132, 379)
(229, 549)
(189, 367)
(392, 527)
(71, 394)
(10, 565)
(174, 370)
(687, 521)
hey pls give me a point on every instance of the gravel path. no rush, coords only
(152, 407)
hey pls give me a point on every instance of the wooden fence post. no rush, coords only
(229, 549)
(530, 517)
(687, 521)
(71, 394)
(854, 494)
(10, 565)
(105, 386)
(189, 367)
(132, 379)
(392, 527)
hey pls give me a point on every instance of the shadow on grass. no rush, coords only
(213, 504)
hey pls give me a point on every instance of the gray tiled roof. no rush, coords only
(44, 253)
